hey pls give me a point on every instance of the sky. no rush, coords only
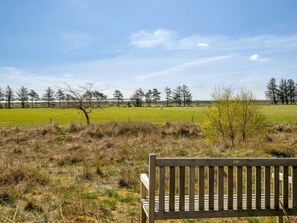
(131, 44)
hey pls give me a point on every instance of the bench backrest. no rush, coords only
(243, 182)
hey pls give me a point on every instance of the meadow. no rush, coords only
(80, 173)
(68, 171)
(40, 116)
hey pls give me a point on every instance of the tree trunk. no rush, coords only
(86, 115)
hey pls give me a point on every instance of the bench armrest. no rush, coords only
(145, 180)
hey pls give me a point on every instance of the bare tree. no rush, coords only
(81, 98)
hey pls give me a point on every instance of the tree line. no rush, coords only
(285, 92)
(180, 96)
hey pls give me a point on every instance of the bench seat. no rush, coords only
(146, 204)
(206, 213)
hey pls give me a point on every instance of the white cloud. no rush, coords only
(182, 67)
(254, 57)
(203, 45)
(170, 40)
(145, 39)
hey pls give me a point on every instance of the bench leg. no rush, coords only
(143, 216)
(280, 219)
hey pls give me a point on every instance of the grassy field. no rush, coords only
(79, 173)
(40, 116)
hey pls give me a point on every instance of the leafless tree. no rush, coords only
(81, 98)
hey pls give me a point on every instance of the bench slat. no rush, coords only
(161, 189)
(294, 186)
(221, 187)
(258, 187)
(239, 187)
(267, 188)
(285, 186)
(192, 188)
(230, 187)
(201, 187)
(276, 187)
(182, 188)
(249, 187)
(171, 188)
(211, 187)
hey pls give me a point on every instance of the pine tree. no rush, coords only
(118, 96)
(49, 96)
(34, 96)
(271, 92)
(291, 91)
(22, 95)
(283, 91)
(137, 97)
(168, 93)
(9, 95)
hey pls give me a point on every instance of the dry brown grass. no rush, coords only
(90, 173)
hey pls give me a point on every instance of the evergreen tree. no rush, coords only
(1, 96)
(99, 96)
(9, 95)
(137, 97)
(22, 95)
(49, 96)
(186, 95)
(272, 92)
(168, 93)
(118, 96)
(149, 97)
(156, 96)
(291, 91)
(177, 95)
(282, 91)
(33, 96)
(60, 95)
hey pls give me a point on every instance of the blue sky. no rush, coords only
(127, 44)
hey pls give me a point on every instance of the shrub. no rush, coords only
(232, 119)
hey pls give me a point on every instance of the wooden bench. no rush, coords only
(192, 188)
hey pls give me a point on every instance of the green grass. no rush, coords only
(280, 113)
(40, 116)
